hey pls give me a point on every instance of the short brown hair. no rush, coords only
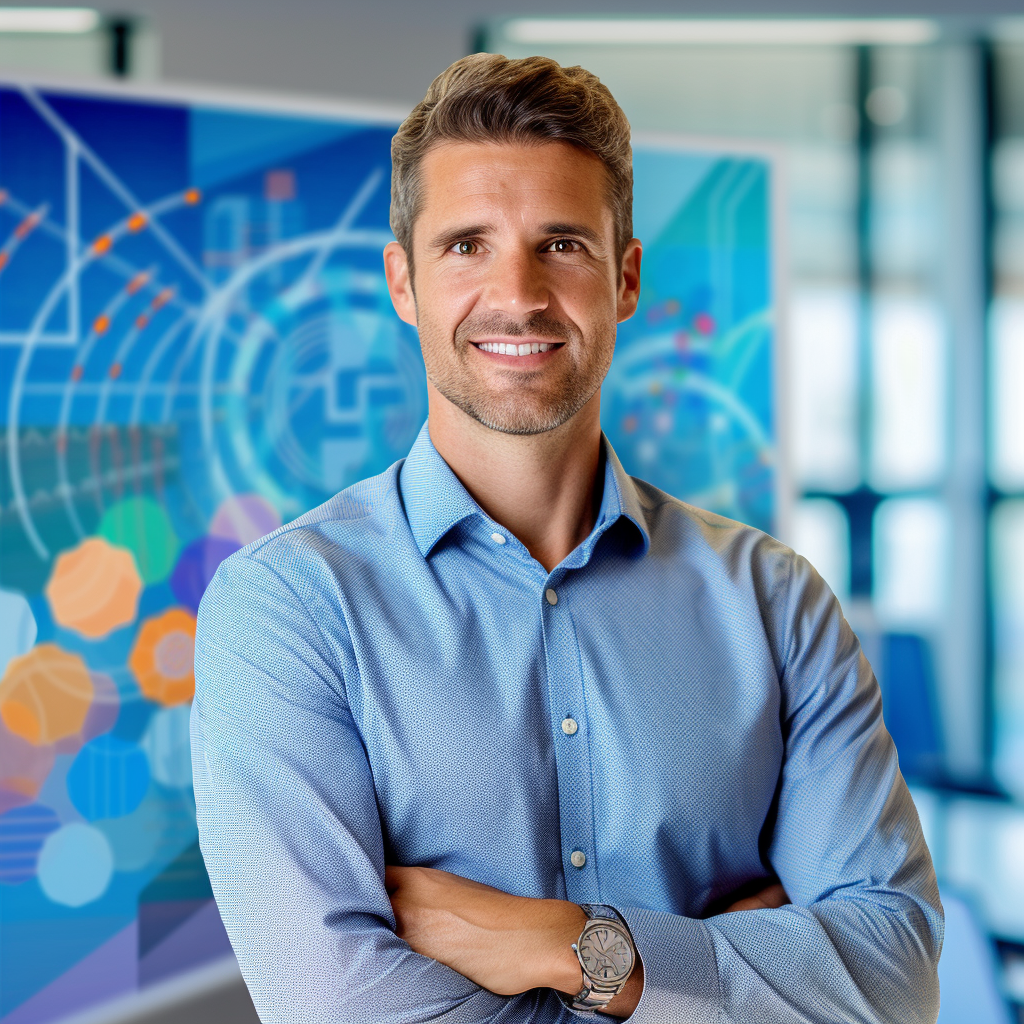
(489, 98)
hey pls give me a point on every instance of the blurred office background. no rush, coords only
(902, 133)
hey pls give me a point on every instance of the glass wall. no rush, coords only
(1006, 413)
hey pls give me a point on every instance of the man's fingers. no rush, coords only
(773, 897)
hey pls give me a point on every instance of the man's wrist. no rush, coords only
(559, 968)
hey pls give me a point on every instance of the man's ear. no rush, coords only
(396, 270)
(629, 280)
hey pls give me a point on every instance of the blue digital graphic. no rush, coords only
(196, 345)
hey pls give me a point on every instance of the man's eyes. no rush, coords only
(559, 245)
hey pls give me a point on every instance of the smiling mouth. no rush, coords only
(525, 349)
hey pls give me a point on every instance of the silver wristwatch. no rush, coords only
(606, 953)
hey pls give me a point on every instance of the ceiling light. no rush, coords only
(48, 19)
(732, 32)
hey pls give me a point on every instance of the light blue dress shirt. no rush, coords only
(676, 710)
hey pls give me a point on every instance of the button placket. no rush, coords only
(572, 747)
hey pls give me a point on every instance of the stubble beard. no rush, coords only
(531, 402)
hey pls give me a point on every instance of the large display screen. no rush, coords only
(196, 345)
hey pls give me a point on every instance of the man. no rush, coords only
(501, 734)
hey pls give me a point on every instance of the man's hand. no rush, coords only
(507, 944)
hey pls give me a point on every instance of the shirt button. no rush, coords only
(551, 596)
(569, 726)
(498, 538)
(578, 858)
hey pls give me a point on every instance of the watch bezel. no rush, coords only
(606, 923)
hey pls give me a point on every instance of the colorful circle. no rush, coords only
(94, 588)
(22, 833)
(142, 525)
(243, 518)
(163, 655)
(75, 865)
(108, 779)
(168, 747)
(45, 694)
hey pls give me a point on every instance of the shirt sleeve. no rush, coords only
(290, 830)
(862, 937)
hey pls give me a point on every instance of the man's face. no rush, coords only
(517, 285)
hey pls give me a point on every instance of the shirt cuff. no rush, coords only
(680, 968)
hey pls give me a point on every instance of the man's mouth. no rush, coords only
(527, 348)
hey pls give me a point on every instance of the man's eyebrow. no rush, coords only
(446, 239)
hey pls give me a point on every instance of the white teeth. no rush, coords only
(527, 348)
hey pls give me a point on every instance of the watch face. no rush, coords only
(605, 952)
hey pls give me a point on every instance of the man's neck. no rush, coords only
(543, 488)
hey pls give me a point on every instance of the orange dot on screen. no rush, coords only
(102, 245)
(137, 282)
(4, 257)
(76, 371)
(141, 320)
(115, 371)
(101, 324)
(192, 196)
(136, 222)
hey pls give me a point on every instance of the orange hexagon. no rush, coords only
(163, 655)
(45, 694)
(94, 588)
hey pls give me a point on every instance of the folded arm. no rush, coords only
(860, 940)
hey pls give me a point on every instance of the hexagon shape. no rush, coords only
(45, 695)
(162, 658)
(94, 588)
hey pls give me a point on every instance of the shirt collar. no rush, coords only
(435, 499)
(433, 495)
(620, 498)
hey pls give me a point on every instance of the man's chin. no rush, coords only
(514, 416)
(518, 422)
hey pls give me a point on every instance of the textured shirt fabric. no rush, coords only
(385, 680)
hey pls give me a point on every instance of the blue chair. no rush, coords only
(968, 970)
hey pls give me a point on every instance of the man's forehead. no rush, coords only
(462, 173)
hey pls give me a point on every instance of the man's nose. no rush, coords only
(518, 284)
